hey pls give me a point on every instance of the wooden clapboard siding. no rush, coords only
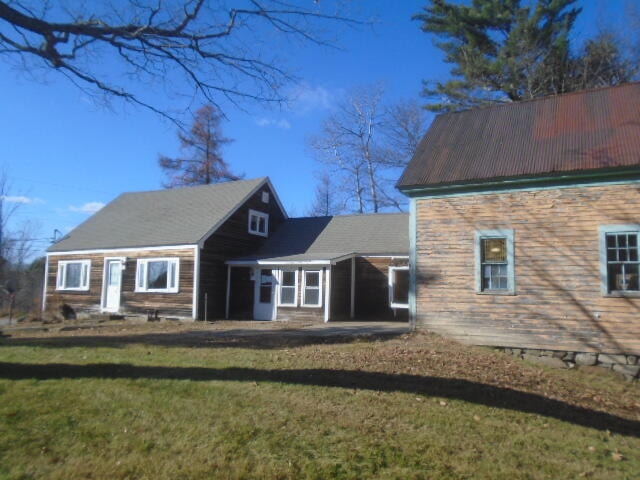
(178, 304)
(372, 289)
(232, 239)
(558, 302)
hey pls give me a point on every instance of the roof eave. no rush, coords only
(551, 180)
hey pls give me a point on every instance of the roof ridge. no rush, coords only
(194, 187)
(540, 99)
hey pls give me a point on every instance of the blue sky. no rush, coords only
(65, 156)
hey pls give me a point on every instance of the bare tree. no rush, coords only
(218, 51)
(325, 203)
(202, 144)
(364, 144)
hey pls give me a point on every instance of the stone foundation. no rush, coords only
(626, 365)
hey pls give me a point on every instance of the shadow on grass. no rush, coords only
(236, 338)
(450, 388)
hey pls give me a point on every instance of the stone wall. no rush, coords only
(626, 365)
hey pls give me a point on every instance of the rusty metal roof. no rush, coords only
(587, 130)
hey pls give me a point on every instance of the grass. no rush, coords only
(410, 407)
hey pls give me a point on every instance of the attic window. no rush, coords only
(258, 223)
(265, 197)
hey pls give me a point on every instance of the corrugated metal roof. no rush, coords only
(327, 238)
(180, 216)
(588, 130)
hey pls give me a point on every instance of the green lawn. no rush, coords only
(411, 407)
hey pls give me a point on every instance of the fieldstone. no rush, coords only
(629, 371)
(612, 359)
(569, 357)
(632, 360)
(548, 361)
(586, 359)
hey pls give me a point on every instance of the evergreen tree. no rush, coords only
(509, 50)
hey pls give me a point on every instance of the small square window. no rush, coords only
(258, 223)
(265, 197)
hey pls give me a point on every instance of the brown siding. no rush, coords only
(372, 289)
(132, 302)
(232, 239)
(558, 302)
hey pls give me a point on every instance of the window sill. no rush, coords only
(400, 305)
(72, 290)
(258, 234)
(157, 291)
(622, 294)
(503, 293)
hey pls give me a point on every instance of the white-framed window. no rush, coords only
(620, 259)
(399, 287)
(495, 262)
(265, 197)
(157, 275)
(258, 223)
(312, 288)
(288, 288)
(73, 275)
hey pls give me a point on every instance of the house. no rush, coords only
(525, 224)
(161, 252)
(228, 250)
(326, 268)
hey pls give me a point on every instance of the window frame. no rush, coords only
(305, 288)
(509, 236)
(294, 286)
(142, 275)
(259, 216)
(85, 274)
(392, 284)
(605, 230)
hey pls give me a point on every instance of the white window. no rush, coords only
(399, 287)
(73, 275)
(265, 197)
(289, 288)
(312, 288)
(158, 275)
(258, 223)
(620, 259)
(495, 268)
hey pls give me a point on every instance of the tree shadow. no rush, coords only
(233, 338)
(450, 388)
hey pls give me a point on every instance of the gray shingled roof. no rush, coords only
(328, 238)
(576, 132)
(180, 216)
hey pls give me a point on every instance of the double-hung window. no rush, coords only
(258, 223)
(73, 275)
(289, 288)
(312, 288)
(495, 270)
(620, 262)
(157, 275)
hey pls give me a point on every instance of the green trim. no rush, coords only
(595, 177)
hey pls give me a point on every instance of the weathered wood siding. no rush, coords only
(558, 302)
(231, 240)
(178, 304)
(372, 289)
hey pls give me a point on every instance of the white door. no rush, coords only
(113, 282)
(264, 305)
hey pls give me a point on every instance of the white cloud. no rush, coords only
(306, 98)
(272, 122)
(90, 207)
(22, 199)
